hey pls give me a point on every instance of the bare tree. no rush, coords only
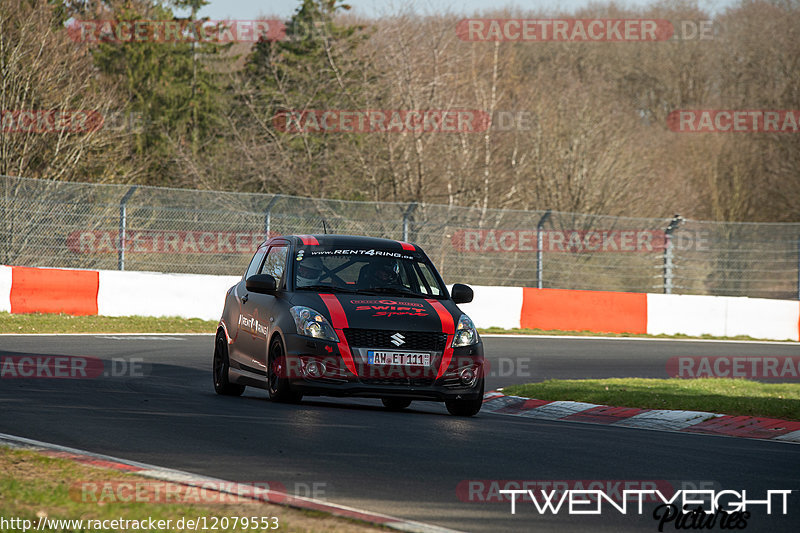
(48, 79)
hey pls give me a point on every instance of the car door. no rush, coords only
(257, 320)
(238, 324)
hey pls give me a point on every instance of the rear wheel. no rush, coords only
(465, 407)
(395, 404)
(220, 371)
(278, 385)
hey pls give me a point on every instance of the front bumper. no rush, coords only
(316, 368)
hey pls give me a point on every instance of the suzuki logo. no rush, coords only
(398, 339)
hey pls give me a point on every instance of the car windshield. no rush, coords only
(366, 271)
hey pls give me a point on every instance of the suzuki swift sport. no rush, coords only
(339, 315)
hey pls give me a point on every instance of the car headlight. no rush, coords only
(312, 324)
(466, 334)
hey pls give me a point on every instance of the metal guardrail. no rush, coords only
(95, 226)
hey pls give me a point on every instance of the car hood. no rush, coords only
(382, 312)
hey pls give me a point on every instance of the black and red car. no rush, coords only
(339, 315)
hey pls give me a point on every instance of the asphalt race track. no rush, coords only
(157, 406)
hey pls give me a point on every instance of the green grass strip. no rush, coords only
(61, 323)
(523, 331)
(52, 323)
(34, 486)
(715, 395)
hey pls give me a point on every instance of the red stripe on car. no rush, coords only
(309, 240)
(407, 246)
(447, 327)
(339, 323)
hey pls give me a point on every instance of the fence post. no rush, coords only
(406, 219)
(798, 268)
(669, 254)
(539, 247)
(268, 216)
(123, 226)
(6, 231)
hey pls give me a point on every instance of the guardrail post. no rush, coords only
(407, 218)
(268, 215)
(123, 224)
(669, 254)
(539, 248)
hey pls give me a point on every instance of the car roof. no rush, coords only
(348, 241)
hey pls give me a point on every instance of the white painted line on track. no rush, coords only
(602, 338)
(108, 334)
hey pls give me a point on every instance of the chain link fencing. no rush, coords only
(123, 227)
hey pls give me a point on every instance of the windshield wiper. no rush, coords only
(326, 288)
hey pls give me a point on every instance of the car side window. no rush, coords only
(255, 264)
(431, 286)
(275, 263)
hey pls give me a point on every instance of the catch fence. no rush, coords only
(97, 226)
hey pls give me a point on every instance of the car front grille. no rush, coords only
(380, 338)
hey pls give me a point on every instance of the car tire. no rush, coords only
(278, 387)
(465, 407)
(395, 404)
(221, 365)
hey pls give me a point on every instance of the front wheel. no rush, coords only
(221, 365)
(278, 385)
(465, 407)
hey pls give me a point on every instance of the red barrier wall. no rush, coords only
(49, 290)
(605, 312)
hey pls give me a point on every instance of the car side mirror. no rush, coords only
(261, 283)
(462, 294)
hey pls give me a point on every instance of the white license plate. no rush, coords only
(398, 358)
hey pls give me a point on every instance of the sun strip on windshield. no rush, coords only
(309, 240)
